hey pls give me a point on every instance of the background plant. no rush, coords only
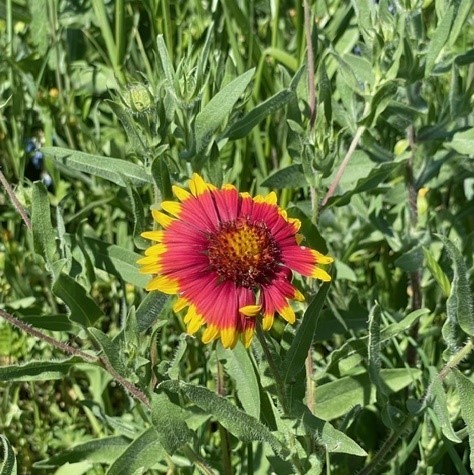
(371, 148)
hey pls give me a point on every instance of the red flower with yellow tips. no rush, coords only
(230, 259)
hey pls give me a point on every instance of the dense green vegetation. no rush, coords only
(358, 114)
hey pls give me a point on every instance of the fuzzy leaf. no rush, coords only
(104, 450)
(117, 261)
(437, 272)
(8, 459)
(38, 370)
(336, 398)
(239, 366)
(150, 310)
(242, 127)
(244, 427)
(111, 169)
(111, 349)
(170, 423)
(83, 309)
(142, 454)
(440, 406)
(333, 440)
(463, 142)
(216, 111)
(459, 307)
(296, 355)
(465, 389)
(291, 176)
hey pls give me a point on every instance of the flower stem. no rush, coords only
(279, 383)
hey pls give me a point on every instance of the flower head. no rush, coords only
(230, 259)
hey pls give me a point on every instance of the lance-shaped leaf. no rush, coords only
(246, 428)
(216, 111)
(465, 389)
(111, 169)
(8, 462)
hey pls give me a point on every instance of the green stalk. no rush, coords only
(167, 26)
(120, 31)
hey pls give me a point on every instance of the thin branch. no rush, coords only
(66, 348)
(15, 201)
(52, 341)
(343, 165)
(310, 56)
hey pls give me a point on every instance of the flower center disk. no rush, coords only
(244, 252)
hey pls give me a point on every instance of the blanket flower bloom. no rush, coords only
(230, 259)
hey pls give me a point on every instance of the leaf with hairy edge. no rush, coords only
(374, 354)
(150, 310)
(465, 388)
(440, 37)
(111, 350)
(83, 309)
(216, 111)
(333, 440)
(239, 366)
(359, 345)
(291, 176)
(104, 450)
(242, 127)
(296, 355)
(237, 422)
(139, 221)
(459, 306)
(440, 406)
(437, 272)
(38, 370)
(111, 169)
(8, 462)
(161, 177)
(336, 398)
(117, 261)
(143, 453)
(44, 237)
(170, 423)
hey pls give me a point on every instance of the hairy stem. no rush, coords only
(310, 58)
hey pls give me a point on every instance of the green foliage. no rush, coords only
(104, 106)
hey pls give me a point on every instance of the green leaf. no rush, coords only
(440, 406)
(104, 450)
(440, 37)
(111, 349)
(246, 428)
(333, 440)
(463, 142)
(465, 388)
(117, 261)
(242, 127)
(111, 169)
(291, 176)
(298, 351)
(8, 459)
(462, 15)
(374, 353)
(379, 102)
(83, 309)
(412, 260)
(170, 423)
(38, 370)
(44, 237)
(338, 397)
(139, 221)
(216, 111)
(165, 60)
(359, 345)
(143, 453)
(56, 323)
(369, 183)
(239, 367)
(459, 305)
(161, 177)
(437, 272)
(150, 310)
